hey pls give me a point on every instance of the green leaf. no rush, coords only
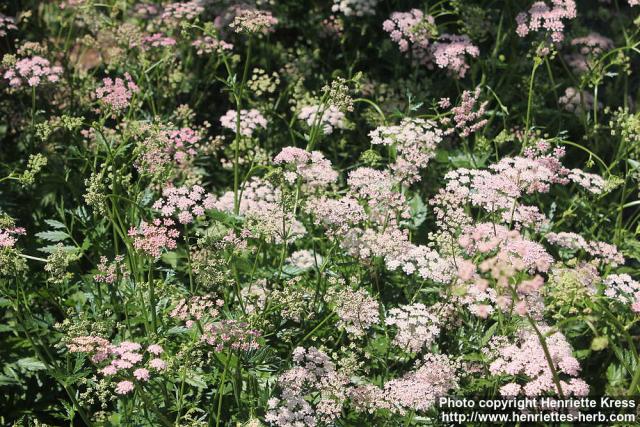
(177, 330)
(31, 364)
(53, 236)
(292, 270)
(55, 224)
(5, 380)
(487, 335)
(52, 248)
(418, 212)
(194, 379)
(171, 258)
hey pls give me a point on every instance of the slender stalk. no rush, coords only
(239, 92)
(536, 63)
(221, 389)
(547, 355)
(152, 300)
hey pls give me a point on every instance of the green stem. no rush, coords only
(221, 389)
(536, 64)
(239, 91)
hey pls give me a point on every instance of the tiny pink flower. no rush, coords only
(155, 349)
(109, 370)
(124, 387)
(158, 364)
(141, 374)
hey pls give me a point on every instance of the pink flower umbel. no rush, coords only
(548, 19)
(152, 238)
(116, 94)
(141, 374)
(32, 72)
(124, 387)
(250, 120)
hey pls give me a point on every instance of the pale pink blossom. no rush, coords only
(158, 364)
(250, 120)
(116, 94)
(124, 387)
(549, 19)
(332, 118)
(141, 374)
(152, 238)
(7, 23)
(33, 72)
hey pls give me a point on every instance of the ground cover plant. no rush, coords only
(313, 213)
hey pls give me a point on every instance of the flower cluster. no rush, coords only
(593, 183)
(146, 10)
(467, 116)
(577, 101)
(411, 29)
(623, 288)
(7, 23)
(230, 334)
(313, 169)
(208, 45)
(304, 259)
(254, 21)
(157, 40)
(510, 245)
(111, 272)
(589, 48)
(526, 358)
(250, 120)
(116, 94)
(185, 203)
(163, 148)
(500, 189)
(33, 72)
(355, 7)
(602, 251)
(357, 311)
(548, 18)
(416, 141)
(175, 13)
(125, 360)
(339, 215)
(417, 326)
(261, 204)
(414, 31)
(196, 308)
(154, 237)
(314, 373)
(450, 51)
(419, 390)
(332, 118)
(8, 236)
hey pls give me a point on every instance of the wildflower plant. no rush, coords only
(285, 213)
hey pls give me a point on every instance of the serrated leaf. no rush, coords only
(52, 248)
(177, 330)
(292, 270)
(55, 224)
(487, 335)
(5, 380)
(194, 379)
(31, 364)
(53, 236)
(418, 212)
